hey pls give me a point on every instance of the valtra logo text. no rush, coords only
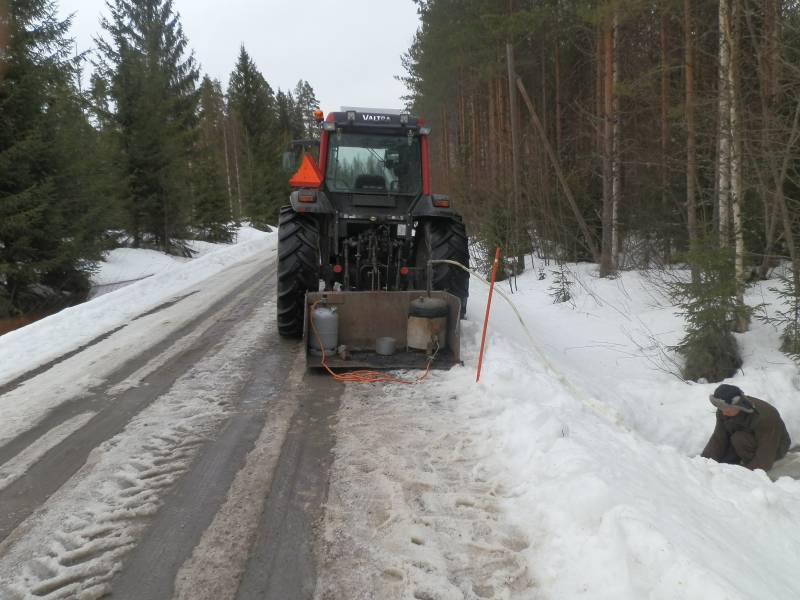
(376, 118)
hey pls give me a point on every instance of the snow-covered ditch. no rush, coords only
(569, 471)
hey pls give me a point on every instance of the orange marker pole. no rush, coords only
(488, 307)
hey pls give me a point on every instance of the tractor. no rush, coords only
(362, 216)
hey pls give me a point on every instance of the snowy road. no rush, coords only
(195, 469)
(198, 464)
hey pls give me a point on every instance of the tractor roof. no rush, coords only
(367, 118)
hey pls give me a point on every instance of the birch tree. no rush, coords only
(724, 125)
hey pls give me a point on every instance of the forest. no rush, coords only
(634, 134)
(630, 133)
(127, 144)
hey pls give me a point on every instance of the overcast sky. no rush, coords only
(348, 50)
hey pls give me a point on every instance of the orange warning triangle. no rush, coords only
(308, 175)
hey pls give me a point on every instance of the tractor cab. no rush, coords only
(368, 152)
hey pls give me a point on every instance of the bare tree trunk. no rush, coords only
(616, 177)
(227, 165)
(768, 55)
(513, 122)
(781, 199)
(736, 161)
(664, 113)
(462, 127)
(445, 145)
(772, 34)
(516, 217)
(598, 92)
(691, 127)
(236, 169)
(474, 144)
(607, 250)
(5, 37)
(724, 133)
(557, 64)
(589, 237)
(492, 132)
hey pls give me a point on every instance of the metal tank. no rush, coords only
(427, 324)
(325, 321)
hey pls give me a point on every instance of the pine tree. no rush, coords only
(306, 103)
(152, 82)
(48, 223)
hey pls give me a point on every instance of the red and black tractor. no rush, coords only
(362, 216)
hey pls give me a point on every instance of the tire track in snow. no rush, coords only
(134, 387)
(412, 512)
(74, 544)
(14, 468)
(219, 558)
(64, 386)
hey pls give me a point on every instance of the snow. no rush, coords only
(76, 546)
(631, 512)
(200, 282)
(571, 470)
(49, 338)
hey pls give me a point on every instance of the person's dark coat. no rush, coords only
(755, 440)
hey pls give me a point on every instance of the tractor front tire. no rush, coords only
(298, 268)
(444, 239)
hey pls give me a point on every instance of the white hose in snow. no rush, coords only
(577, 393)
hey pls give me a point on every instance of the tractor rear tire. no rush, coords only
(298, 268)
(444, 239)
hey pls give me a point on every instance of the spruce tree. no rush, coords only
(212, 202)
(48, 228)
(290, 122)
(152, 80)
(251, 103)
(306, 103)
(707, 300)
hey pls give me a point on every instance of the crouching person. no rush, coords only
(749, 431)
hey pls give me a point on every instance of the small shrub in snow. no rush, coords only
(788, 319)
(708, 302)
(560, 289)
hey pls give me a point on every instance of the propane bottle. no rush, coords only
(326, 322)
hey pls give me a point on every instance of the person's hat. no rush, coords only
(730, 396)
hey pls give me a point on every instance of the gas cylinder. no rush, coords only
(326, 323)
(427, 324)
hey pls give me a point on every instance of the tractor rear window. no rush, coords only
(373, 164)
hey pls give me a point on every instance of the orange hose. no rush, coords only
(361, 376)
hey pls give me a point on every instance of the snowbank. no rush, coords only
(167, 277)
(622, 510)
